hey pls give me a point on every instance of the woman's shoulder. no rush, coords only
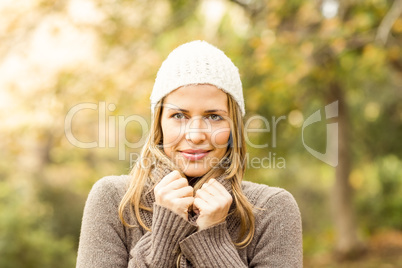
(111, 186)
(262, 195)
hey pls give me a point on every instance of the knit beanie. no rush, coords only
(197, 62)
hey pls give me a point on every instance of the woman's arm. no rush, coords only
(211, 247)
(278, 238)
(277, 241)
(102, 240)
(160, 248)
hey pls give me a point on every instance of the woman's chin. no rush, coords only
(194, 172)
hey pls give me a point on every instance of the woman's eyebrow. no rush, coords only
(206, 111)
(179, 109)
(215, 110)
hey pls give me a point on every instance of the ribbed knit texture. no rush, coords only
(161, 248)
(105, 242)
(211, 247)
(197, 62)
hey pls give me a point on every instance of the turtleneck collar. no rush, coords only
(160, 171)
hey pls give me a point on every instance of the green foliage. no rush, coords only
(25, 239)
(382, 206)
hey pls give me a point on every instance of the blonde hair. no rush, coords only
(234, 161)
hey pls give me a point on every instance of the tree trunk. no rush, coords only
(348, 244)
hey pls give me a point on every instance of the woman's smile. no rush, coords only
(194, 155)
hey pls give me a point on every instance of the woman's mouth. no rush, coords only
(194, 155)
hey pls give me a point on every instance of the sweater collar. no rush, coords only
(160, 171)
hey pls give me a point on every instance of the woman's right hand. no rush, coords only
(173, 192)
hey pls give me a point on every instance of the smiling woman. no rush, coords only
(185, 203)
(196, 133)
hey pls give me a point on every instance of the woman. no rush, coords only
(184, 203)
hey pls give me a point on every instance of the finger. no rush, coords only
(196, 211)
(215, 195)
(199, 205)
(167, 195)
(211, 181)
(187, 201)
(216, 188)
(204, 195)
(209, 188)
(181, 206)
(206, 185)
(183, 192)
(172, 176)
(177, 184)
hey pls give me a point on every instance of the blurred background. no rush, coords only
(73, 72)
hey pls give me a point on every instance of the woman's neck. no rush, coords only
(192, 180)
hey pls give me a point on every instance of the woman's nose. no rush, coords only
(196, 130)
(195, 137)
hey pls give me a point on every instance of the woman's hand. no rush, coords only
(212, 203)
(174, 193)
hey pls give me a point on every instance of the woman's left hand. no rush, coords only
(211, 203)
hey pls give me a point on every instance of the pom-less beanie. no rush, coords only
(197, 62)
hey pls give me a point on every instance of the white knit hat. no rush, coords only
(197, 62)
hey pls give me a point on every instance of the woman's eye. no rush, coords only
(215, 117)
(178, 116)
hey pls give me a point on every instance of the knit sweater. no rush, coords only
(175, 242)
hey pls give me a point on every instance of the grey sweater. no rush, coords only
(175, 242)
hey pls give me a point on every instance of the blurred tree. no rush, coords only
(327, 51)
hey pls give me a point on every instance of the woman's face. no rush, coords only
(196, 127)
